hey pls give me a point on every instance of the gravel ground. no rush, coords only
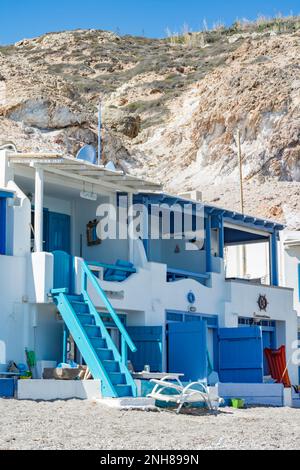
(87, 425)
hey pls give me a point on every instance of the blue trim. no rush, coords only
(221, 238)
(208, 244)
(2, 226)
(6, 195)
(177, 274)
(180, 316)
(229, 216)
(274, 260)
(129, 269)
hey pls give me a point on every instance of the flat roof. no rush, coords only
(70, 167)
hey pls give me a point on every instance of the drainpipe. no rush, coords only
(38, 208)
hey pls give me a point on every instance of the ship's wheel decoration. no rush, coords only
(263, 303)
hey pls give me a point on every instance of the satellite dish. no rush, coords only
(87, 154)
(110, 166)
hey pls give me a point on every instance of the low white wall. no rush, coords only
(39, 277)
(12, 308)
(47, 390)
(253, 394)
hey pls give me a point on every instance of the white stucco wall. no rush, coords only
(109, 250)
(19, 220)
(146, 296)
(39, 279)
(13, 311)
(291, 262)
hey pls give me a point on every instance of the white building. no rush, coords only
(165, 303)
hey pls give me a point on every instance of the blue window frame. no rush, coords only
(4, 195)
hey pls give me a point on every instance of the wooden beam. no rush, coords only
(92, 181)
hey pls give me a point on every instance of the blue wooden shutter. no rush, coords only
(148, 340)
(63, 271)
(187, 349)
(241, 355)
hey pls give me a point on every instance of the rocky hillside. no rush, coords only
(171, 107)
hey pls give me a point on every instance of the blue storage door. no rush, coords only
(59, 237)
(241, 355)
(63, 271)
(187, 349)
(148, 340)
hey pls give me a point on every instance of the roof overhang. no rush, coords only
(78, 170)
(231, 219)
(292, 239)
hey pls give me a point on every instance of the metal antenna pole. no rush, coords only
(241, 171)
(99, 132)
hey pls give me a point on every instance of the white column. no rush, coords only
(130, 228)
(6, 173)
(38, 209)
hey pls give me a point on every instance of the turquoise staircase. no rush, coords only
(90, 334)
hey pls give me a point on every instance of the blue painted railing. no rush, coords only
(89, 331)
(112, 266)
(83, 342)
(87, 276)
(177, 274)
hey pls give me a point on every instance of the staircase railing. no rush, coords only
(126, 341)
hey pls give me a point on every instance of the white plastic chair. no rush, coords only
(186, 395)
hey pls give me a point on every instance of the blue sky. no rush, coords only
(29, 18)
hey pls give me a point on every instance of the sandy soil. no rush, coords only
(86, 425)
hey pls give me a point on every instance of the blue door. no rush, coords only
(187, 349)
(241, 355)
(63, 271)
(148, 340)
(59, 232)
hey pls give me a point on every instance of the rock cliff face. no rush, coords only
(171, 108)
